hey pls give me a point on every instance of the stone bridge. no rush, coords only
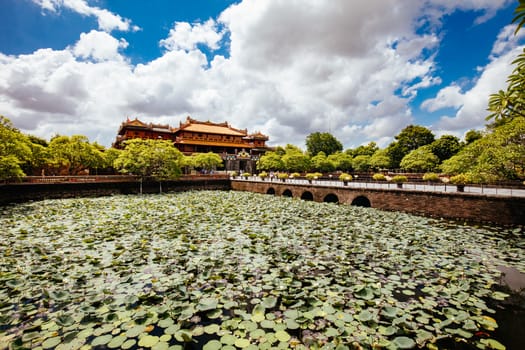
(502, 210)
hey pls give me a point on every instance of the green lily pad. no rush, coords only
(50, 343)
(242, 343)
(404, 343)
(493, 344)
(258, 313)
(212, 345)
(282, 336)
(148, 341)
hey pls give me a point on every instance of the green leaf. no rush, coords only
(404, 343)
(282, 336)
(258, 313)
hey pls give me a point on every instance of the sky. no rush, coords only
(361, 70)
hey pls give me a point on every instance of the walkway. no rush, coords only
(438, 187)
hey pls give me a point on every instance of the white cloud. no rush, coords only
(185, 36)
(449, 96)
(294, 67)
(471, 105)
(107, 21)
(99, 46)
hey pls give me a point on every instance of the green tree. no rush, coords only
(322, 142)
(295, 160)
(410, 138)
(110, 155)
(508, 104)
(270, 161)
(420, 160)
(320, 162)
(363, 150)
(208, 161)
(445, 147)
(341, 160)
(380, 160)
(499, 155)
(74, 155)
(155, 158)
(361, 163)
(15, 150)
(472, 135)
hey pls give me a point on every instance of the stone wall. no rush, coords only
(464, 206)
(16, 193)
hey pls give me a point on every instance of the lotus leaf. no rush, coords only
(365, 316)
(282, 336)
(183, 335)
(404, 343)
(212, 345)
(258, 313)
(124, 268)
(102, 340)
(493, 344)
(50, 343)
(128, 344)
(117, 342)
(242, 343)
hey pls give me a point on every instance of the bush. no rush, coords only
(295, 175)
(460, 179)
(345, 177)
(282, 176)
(263, 174)
(233, 173)
(432, 177)
(379, 177)
(246, 174)
(312, 176)
(399, 178)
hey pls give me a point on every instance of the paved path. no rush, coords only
(483, 190)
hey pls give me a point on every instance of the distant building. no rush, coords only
(238, 149)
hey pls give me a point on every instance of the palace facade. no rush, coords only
(238, 149)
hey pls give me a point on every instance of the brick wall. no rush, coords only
(15, 193)
(463, 206)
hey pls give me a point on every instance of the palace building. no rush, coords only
(238, 149)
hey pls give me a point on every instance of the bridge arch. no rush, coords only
(331, 198)
(287, 193)
(271, 190)
(307, 196)
(361, 201)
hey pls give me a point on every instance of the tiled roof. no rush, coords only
(209, 143)
(212, 129)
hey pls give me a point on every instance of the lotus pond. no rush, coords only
(237, 270)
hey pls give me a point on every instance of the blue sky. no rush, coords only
(283, 67)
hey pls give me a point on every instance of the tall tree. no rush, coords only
(321, 163)
(507, 104)
(500, 155)
(380, 160)
(445, 147)
(270, 161)
(322, 142)
(420, 160)
(73, 155)
(342, 161)
(155, 158)
(15, 150)
(472, 135)
(363, 150)
(207, 161)
(295, 160)
(410, 138)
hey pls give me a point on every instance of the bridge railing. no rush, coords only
(489, 190)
